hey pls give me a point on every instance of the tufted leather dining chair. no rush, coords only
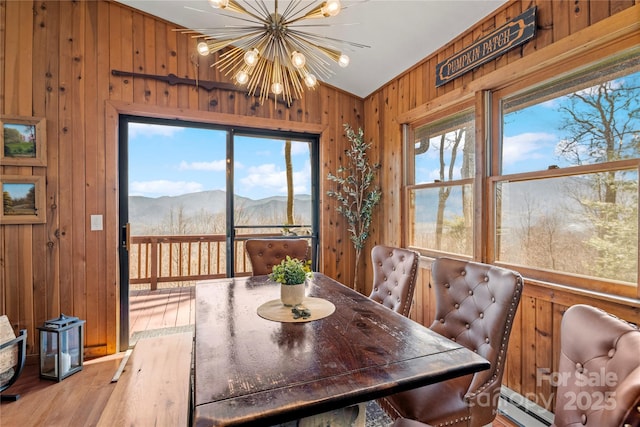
(599, 370)
(395, 271)
(265, 253)
(475, 306)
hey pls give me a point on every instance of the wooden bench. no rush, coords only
(154, 387)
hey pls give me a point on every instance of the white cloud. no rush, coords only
(298, 148)
(434, 175)
(163, 187)
(526, 146)
(268, 177)
(147, 130)
(264, 176)
(215, 165)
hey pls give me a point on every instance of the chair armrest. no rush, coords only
(21, 342)
(16, 341)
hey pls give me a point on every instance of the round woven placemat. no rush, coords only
(278, 312)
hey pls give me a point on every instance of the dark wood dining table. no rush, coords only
(253, 371)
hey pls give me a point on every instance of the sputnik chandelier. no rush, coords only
(269, 52)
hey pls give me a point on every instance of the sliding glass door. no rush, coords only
(275, 190)
(191, 194)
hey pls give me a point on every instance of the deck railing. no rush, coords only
(165, 259)
(162, 259)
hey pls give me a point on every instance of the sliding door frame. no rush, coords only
(114, 110)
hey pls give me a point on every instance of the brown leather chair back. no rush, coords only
(599, 370)
(475, 306)
(265, 253)
(394, 277)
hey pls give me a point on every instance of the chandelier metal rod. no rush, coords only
(259, 7)
(272, 51)
(237, 7)
(320, 38)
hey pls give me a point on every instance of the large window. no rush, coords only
(559, 199)
(440, 192)
(563, 224)
(565, 188)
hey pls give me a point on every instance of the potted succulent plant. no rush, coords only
(291, 273)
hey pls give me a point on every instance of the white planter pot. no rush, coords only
(292, 295)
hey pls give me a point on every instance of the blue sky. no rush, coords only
(17, 190)
(530, 138)
(169, 161)
(27, 131)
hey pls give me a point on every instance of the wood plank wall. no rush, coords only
(534, 346)
(55, 63)
(56, 59)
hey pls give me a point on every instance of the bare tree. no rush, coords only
(289, 168)
(177, 221)
(603, 125)
(450, 143)
(7, 202)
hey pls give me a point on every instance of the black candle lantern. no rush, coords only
(61, 347)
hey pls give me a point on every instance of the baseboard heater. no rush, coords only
(522, 411)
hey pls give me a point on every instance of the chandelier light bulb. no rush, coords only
(203, 48)
(310, 80)
(219, 4)
(269, 54)
(331, 8)
(343, 61)
(277, 88)
(298, 60)
(251, 57)
(242, 77)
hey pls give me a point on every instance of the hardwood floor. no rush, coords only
(80, 399)
(77, 400)
(501, 421)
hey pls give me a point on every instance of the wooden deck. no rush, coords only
(80, 399)
(161, 309)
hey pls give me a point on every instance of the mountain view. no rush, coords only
(147, 213)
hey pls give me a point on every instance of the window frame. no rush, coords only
(584, 282)
(485, 97)
(509, 92)
(476, 106)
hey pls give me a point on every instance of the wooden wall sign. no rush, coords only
(512, 34)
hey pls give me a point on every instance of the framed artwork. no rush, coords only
(23, 141)
(23, 199)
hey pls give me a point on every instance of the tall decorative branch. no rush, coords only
(356, 194)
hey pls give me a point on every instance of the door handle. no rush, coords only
(126, 236)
